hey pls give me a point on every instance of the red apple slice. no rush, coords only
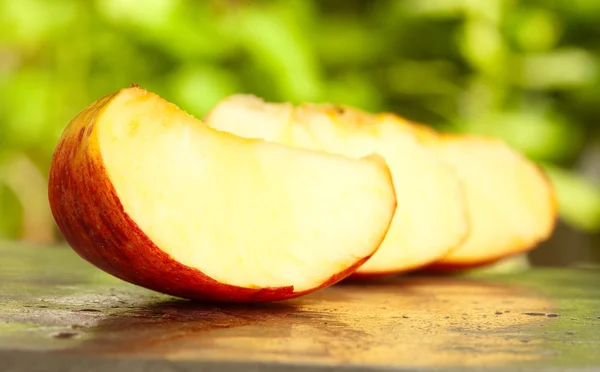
(431, 216)
(153, 196)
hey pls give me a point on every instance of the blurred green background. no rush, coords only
(524, 71)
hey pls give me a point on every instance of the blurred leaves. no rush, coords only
(200, 87)
(578, 199)
(28, 23)
(524, 71)
(28, 185)
(10, 223)
(560, 69)
(533, 29)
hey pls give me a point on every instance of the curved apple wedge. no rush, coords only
(512, 204)
(431, 217)
(154, 197)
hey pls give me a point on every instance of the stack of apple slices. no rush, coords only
(266, 201)
(431, 218)
(463, 201)
(511, 204)
(153, 196)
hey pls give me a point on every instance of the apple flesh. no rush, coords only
(512, 206)
(155, 197)
(431, 218)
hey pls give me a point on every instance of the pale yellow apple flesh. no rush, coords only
(512, 205)
(232, 215)
(430, 220)
(246, 213)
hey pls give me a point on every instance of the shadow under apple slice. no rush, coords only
(412, 321)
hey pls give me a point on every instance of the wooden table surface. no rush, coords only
(57, 313)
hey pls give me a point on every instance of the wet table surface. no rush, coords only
(58, 313)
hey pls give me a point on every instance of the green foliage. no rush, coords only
(11, 214)
(526, 71)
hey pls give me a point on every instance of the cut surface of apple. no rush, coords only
(512, 205)
(430, 219)
(155, 197)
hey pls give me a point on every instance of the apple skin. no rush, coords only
(92, 220)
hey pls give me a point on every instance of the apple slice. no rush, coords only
(431, 217)
(512, 205)
(154, 197)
